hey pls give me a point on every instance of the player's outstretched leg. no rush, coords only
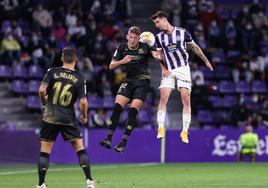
(114, 120)
(132, 122)
(43, 164)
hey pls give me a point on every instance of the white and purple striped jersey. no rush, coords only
(174, 47)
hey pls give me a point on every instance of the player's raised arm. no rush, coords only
(197, 50)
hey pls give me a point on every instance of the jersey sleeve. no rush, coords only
(118, 55)
(47, 78)
(188, 37)
(82, 89)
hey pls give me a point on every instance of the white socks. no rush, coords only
(186, 120)
(161, 115)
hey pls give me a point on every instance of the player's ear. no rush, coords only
(61, 59)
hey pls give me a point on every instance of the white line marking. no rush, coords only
(77, 168)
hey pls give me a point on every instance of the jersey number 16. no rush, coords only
(62, 96)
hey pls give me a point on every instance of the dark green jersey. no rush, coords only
(64, 86)
(137, 68)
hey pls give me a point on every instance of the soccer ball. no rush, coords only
(148, 38)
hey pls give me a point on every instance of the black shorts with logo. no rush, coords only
(49, 132)
(135, 89)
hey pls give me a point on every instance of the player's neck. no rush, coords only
(170, 29)
(70, 67)
(133, 48)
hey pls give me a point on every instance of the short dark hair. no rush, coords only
(158, 14)
(69, 54)
(134, 29)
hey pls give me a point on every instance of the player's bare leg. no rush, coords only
(120, 102)
(43, 162)
(83, 161)
(186, 113)
(136, 104)
(162, 108)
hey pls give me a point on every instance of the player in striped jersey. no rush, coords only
(174, 42)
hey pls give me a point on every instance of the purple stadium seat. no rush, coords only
(33, 102)
(19, 86)
(226, 87)
(259, 86)
(216, 101)
(218, 56)
(223, 12)
(36, 71)
(229, 101)
(207, 73)
(5, 72)
(232, 54)
(222, 72)
(234, 12)
(33, 86)
(124, 117)
(247, 99)
(95, 102)
(222, 116)
(242, 87)
(108, 114)
(145, 116)
(204, 116)
(108, 101)
(20, 71)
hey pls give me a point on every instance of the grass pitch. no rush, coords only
(187, 175)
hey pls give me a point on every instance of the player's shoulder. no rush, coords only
(53, 69)
(160, 33)
(122, 46)
(180, 28)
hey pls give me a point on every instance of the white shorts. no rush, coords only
(180, 75)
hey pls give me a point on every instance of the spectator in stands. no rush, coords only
(248, 142)
(240, 114)
(122, 9)
(58, 31)
(43, 19)
(86, 68)
(173, 10)
(36, 49)
(10, 48)
(257, 68)
(99, 119)
(241, 71)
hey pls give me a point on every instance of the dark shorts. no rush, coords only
(49, 132)
(136, 89)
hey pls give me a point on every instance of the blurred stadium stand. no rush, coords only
(234, 35)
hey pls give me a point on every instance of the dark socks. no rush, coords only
(84, 163)
(132, 122)
(42, 166)
(114, 120)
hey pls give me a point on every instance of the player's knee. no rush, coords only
(186, 100)
(164, 99)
